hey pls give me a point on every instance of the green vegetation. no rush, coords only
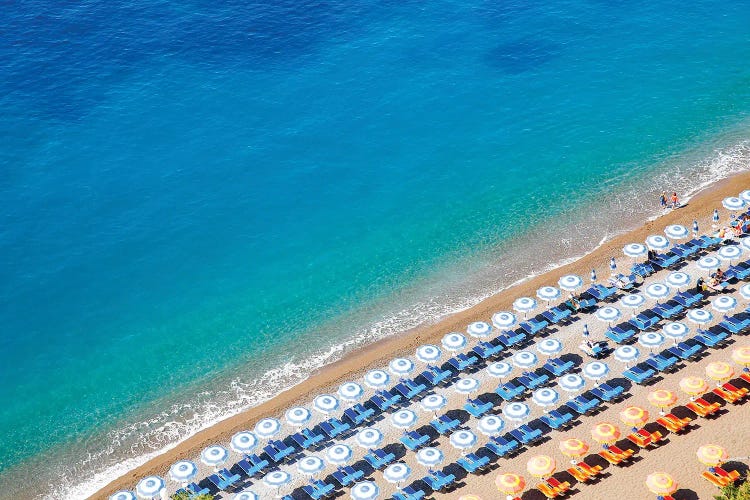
(186, 496)
(735, 492)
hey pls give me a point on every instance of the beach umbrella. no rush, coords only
(745, 196)
(585, 330)
(693, 386)
(634, 250)
(715, 216)
(709, 262)
(479, 329)
(548, 293)
(467, 385)
(651, 340)
(678, 279)
(214, 456)
(430, 457)
(463, 440)
(745, 289)
(297, 416)
(570, 282)
(657, 242)
(350, 391)
(633, 301)
(741, 356)
(699, 316)
(571, 383)
(695, 228)
(490, 425)
(433, 402)
(369, 438)
(541, 466)
(246, 495)
(612, 264)
(524, 359)
(365, 490)
(719, 371)
(267, 428)
(428, 353)
(657, 290)
(150, 487)
(605, 433)
(676, 231)
(733, 203)
(401, 367)
(516, 412)
(325, 404)
(593, 275)
(634, 416)
(724, 304)
(660, 483)
(509, 483)
(454, 341)
(662, 398)
(499, 369)
(183, 471)
(277, 479)
(397, 473)
(549, 346)
(245, 441)
(524, 305)
(746, 243)
(573, 448)
(377, 379)
(122, 495)
(626, 354)
(595, 370)
(675, 330)
(310, 466)
(712, 455)
(503, 320)
(730, 252)
(608, 314)
(545, 397)
(339, 454)
(403, 419)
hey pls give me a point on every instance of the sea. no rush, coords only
(203, 201)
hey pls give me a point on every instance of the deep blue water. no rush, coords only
(193, 190)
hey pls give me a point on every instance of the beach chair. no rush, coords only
(472, 463)
(745, 376)
(608, 393)
(525, 434)
(408, 392)
(557, 367)
(683, 354)
(461, 361)
(318, 489)
(409, 493)
(384, 400)
(644, 270)
(638, 375)
(415, 388)
(306, 439)
(532, 380)
(601, 292)
(740, 392)
(194, 490)
(688, 298)
(586, 301)
(591, 470)
(436, 376)
(347, 475)
(662, 363)
(557, 314)
(379, 459)
(677, 424)
(733, 324)
(333, 427)
(714, 479)
(709, 339)
(278, 451)
(668, 309)
(444, 424)
(510, 338)
(486, 350)
(666, 260)
(509, 391)
(502, 450)
(557, 420)
(730, 476)
(223, 483)
(620, 333)
(534, 325)
(439, 481)
(413, 440)
(547, 490)
(645, 320)
(477, 407)
(253, 464)
(703, 408)
(358, 414)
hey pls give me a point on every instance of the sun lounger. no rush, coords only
(639, 375)
(643, 438)
(384, 400)
(677, 423)
(194, 490)
(645, 320)
(688, 298)
(557, 314)
(306, 439)
(444, 424)
(583, 406)
(592, 470)
(668, 309)
(703, 408)
(733, 325)
(334, 427)
(461, 362)
(476, 407)
(643, 270)
(667, 259)
(710, 339)
(347, 475)
(525, 434)
(557, 367)
(740, 392)
(223, 479)
(379, 459)
(435, 376)
(409, 493)
(532, 380)
(472, 463)
(509, 391)
(745, 376)
(547, 490)
(510, 339)
(439, 481)
(601, 292)
(715, 479)
(278, 450)
(253, 464)
(318, 489)
(556, 420)
(662, 363)
(534, 325)
(358, 414)
(684, 354)
(620, 333)
(485, 350)
(732, 476)
(409, 392)
(608, 393)
(414, 440)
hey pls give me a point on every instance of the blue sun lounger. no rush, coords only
(347, 475)
(444, 424)
(487, 350)
(639, 375)
(526, 435)
(734, 325)
(662, 363)
(532, 380)
(409, 388)
(534, 325)
(685, 351)
(583, 406)
(278, 450)
(668, 309)
(439, 481)
(644, 270)
(414, 440)
(334, 427)
(511, 338)
(223, 479)
(358, 414)
(710, 241)
(472, 463)
(557, 367)
(253, 464)
(477, 407)
(194, 490)
(557, 420)
(557, 314)
(461, 362)
(710, 339)
(379, 459)
(601, 292)
(620, 333)
(306, 441)
(318, 489)
(385, 400)
(509, 391)
(501, 446)
(688, 298)
(645, 320)
(607, 393)
(409, 493)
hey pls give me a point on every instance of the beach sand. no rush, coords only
(677, 457)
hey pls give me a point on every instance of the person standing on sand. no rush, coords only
(675, 201)
(663, 199)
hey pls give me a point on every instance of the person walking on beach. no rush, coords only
(675, 201)
(663, 199)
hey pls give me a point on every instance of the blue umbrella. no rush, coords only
(277, 479)
(325, 404)
(549, 346)
(651, 340)
(678, 279)
(245, 441)
(467, 385)
(545, 397)
(246, 495)
(463, 440)
(122, 495)
(454, 341)
(310, 466)
(298, 416)
(267, 428)
(403, 419)
(657, 242)
(365, 490)
(730, 252)
(695, 228)
(716, 215)
(675, 330)
(626, 354)
(548, 293)
(400, 366)
(524, 359)
(570, 282)
(593, 275)
(350, 391)
(709, 262)
(676, 231)
(524, 305)
(635, 250)
(699, 316)
(517, 412)
(428, 353)
(377, 379)
(612, 264)
(430, 457)
(339, 454)
(608, 314)
(369, 438)
(397, 473)
(657, 290)
(571, 383)
(490, 425)
(733, 203)
(499, 369)
(632, 301)
(745, 196)
(503, 320)
(595, 370)
(149, 487)
(479, 329)
(585, 330)
(214, 456)
(724, 304)
(745, 291)
(433, 402)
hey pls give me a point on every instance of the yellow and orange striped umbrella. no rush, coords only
(741, 356)
(693, 386)
(510, 483)
(541, 466)
(719, 371)
(712, 455)
(574, 447)
(605, 433)
(634, 416)
(661, 483)
(662, 398)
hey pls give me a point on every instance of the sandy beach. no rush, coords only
(676, 457)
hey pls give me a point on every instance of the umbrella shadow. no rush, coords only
(686, 494)
(740, 467)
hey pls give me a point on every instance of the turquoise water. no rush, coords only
(196, 194)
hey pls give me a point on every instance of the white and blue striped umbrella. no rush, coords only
(339, 454)
(467, 385)
(745, 243)
(657, 290)
(325, 403)
(214, 455)
(524, 359)
(675, 330)
(463, 439)
(745, 196)
(403, 419)
(433, 402)
(733, 203)
(549, 346)
(503, 320)
(310, 465)
(479, 329)
(709, 262)
(524, 304)
(724, 304)
(430, 457)
(570, 282)
(626, 353)
(715, 216)
(612, 264)
(651, 340)
(499, 369)
(267, 428)
(150, 487)
(490, 425)
(298, 416)
(548, 293)
(277, 479)
(595, 370)
(401, 366)
(730, 252)
(369, 438)
(245, 441)
(365, 490)
(608, 314)
(454, 341)
(593, 275)
(745, 291)
(246, 495)
(632, 300)
(634, 250)
(585, 330)
(428, 353)
(350, 391)
(699, 316)
(183, 471)
(545, 397)
(678, 279)
(377, 379)
(122, 495)
(676, 231)
(571, 383)
(397, 473)
(695, 228)
(515, 411)
(657, 242)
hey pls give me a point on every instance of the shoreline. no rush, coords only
(378, 353)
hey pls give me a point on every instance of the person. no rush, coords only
(651, 254)
(713, 284)
(675, 201)
(700, 285)
(719, 275)
(663, 199)
(575, 303)
(722, 232)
